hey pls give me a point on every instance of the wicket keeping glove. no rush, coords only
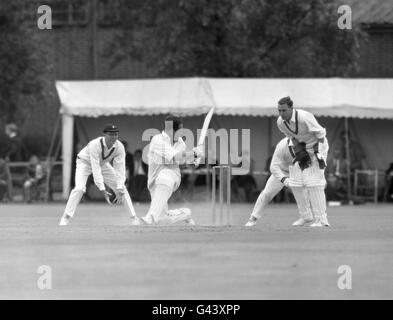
(321, 161)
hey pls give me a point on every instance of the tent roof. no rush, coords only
(371, 11)
(134, 97)
(331, 97)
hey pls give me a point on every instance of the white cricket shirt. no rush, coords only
(303, 126)
(282, 158)
(97, 154)
(161, 156)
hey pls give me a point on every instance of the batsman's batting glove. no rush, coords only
(285, 181)
(198, 151)
(197, 161)
(198, 154)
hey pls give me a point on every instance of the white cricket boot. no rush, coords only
(301, 222)
(251, 222)
(147, 220)
(320, 222)
(179, 215)
(135, 221)
(189, 220)
(65, 220)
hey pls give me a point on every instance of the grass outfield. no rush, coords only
(98, 256)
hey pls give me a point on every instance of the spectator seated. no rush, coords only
(34, 181)
(5, 182)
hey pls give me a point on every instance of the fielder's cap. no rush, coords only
(110, 128)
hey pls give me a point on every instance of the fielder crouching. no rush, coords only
(283, 158)
(95, 159)
(164, 177)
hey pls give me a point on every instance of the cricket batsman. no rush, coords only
(96, 159)
(283, 157)
(164, 156)
(311, 147)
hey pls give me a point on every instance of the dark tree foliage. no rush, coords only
(23, 64)
(236, 38)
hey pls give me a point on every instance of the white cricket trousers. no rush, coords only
(303, 202)
(311, 181)
(160, 194)
(83, 170)
(272, 188)
(161, 191)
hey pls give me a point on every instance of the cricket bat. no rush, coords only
(203, 134)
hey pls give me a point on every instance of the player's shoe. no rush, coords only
(65, 219)
(251, 222)
(190, 222)
(135, 221)
(180, 215)
(147, 220)
(187, 213)
(301, 222)
(320, 223)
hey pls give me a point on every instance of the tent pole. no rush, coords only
(67, 151)
(269, 142)
(93, 37)
(49, 158)
(55, 134)
(350, 201)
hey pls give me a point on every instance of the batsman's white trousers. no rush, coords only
(83, 171)
(165, 184)
(272, 188)
(169, 178)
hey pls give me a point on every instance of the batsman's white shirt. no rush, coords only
(303, 126)
(163, 168)
(97, 155)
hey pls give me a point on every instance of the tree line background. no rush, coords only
(181, 38)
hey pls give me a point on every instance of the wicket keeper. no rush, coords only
(309, 139)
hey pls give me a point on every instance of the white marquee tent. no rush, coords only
(240, 103)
